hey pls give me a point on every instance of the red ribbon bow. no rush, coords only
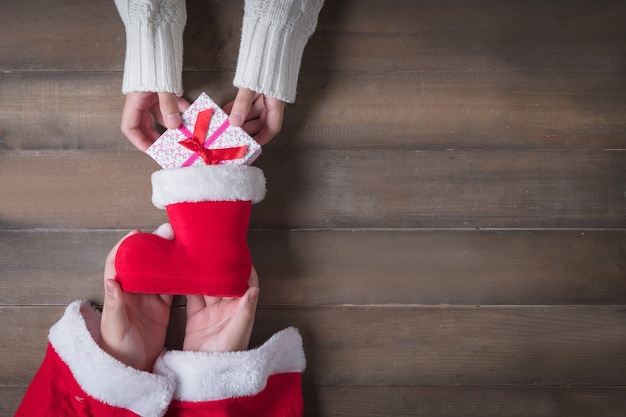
(195, 143)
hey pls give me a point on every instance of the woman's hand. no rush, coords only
(133, 325)
(259, 115)
(217, 324)
(139, 110)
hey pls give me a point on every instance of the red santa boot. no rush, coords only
(209, 210)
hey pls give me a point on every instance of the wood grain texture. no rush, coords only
(352, 35)
(41, 110)
(61, 35)
(462, 401)
(446, 213)
(469, 36)
(435, 401)
(442, 110)
(406, 346)
(367, 267)
(449, 345)
(330, 189)
(411, 110)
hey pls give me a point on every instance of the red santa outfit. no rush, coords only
(78, 378)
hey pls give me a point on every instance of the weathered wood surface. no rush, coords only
(408, 110)
(461, 401)
(406, 345)
(327, 189)
(416, 124)
(352, 35)
(418, 74)
(360, 267)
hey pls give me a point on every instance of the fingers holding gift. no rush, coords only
(141, 107)
(272, 117)
(169, 110)
(239, 109)
(259, 115)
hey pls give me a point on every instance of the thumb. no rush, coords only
(168, 104)
(241, 107)
(113, 313)
(243, 320)
(252, 296)
(114, 321)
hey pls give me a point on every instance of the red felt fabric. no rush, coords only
(282, 397)
(209, 255)
(55, 392)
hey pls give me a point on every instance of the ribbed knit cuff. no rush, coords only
(273, 38)
(154, 45)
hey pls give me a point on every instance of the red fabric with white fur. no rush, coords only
(55, 392)
(209, 210)
(208, 256)
(78, 379)
(281, 397)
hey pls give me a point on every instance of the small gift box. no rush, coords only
(204, 138)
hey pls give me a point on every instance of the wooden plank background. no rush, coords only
(446, 212)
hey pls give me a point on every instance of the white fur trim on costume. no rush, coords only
(209, 376)
(101, 376)
(207, 183)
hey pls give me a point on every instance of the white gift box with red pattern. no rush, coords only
(205, 137)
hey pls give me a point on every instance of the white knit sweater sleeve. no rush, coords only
(273, 37)
(154, 44)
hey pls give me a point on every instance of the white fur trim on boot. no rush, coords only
(100, 375)
(207, 183)
(211, 376)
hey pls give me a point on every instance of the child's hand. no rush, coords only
(259, 115)
(141, 107)
(216, 324)
(133, 326)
